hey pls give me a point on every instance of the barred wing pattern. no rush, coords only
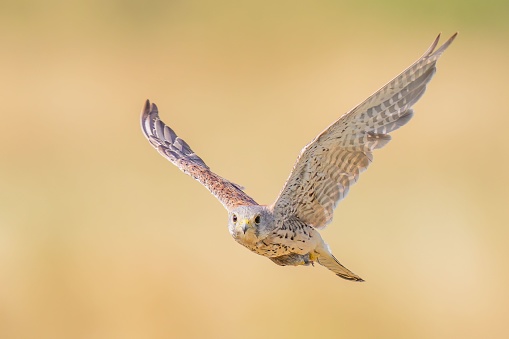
(332, 162)
(170, 146)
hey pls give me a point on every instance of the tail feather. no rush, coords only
(328, 260)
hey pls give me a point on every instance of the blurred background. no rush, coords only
(100, 237)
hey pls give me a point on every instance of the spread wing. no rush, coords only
(166, 142)
(332, 162)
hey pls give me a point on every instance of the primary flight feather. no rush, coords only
(287, 231)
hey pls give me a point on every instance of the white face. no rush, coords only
(248, 223)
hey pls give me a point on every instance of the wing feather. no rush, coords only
(333, 161)
(176, 150)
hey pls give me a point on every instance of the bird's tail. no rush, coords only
(325, 258)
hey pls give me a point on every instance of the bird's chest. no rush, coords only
(283, 241)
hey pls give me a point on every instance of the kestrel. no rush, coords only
(286, 232)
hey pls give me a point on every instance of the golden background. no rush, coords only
(100, 237)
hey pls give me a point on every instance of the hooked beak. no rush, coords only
(245, 225)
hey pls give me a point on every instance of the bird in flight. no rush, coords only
(286, 231)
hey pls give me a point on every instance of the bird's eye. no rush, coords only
(234, 218)
(257, 219)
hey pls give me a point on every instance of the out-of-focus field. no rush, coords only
(100, 237)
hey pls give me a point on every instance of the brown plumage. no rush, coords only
(286, 231)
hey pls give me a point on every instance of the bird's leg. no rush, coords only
(292, 259)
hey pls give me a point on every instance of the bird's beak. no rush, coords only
(245, 225)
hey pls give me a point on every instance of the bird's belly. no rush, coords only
(280, 244)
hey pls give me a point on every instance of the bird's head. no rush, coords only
(249, 224)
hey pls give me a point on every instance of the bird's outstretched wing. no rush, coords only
(166, 142)
(332, 162)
